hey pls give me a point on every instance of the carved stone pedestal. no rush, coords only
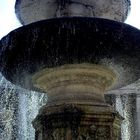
(76, 108)
(77, 122)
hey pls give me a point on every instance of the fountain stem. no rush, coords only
(76, 108)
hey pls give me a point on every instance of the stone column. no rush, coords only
(76, 109)
(77, 122)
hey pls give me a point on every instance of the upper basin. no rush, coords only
(56, 42)
(29, 11)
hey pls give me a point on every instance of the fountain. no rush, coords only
(74, 57)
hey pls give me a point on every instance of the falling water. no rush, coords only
(18, 108)
(126, 105)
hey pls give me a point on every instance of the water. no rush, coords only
(126, 105)
(18, 108)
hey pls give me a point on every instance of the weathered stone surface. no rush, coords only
(75, 82)
(77, 122)
(29, 11)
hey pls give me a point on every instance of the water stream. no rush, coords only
(18, 108)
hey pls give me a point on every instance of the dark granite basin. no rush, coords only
(60, 41)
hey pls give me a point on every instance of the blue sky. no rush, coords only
(9, 22)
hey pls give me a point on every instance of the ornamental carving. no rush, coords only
(57, 134)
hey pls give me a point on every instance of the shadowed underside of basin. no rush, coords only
(56, 42)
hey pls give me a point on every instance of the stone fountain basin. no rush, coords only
(56, 42)
(46, 9)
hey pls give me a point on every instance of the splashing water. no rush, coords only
(18, 108)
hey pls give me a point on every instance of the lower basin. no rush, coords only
(52, 44)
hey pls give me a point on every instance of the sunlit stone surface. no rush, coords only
(77, 82)
(29, 11)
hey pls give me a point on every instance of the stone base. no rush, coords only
(77, 122)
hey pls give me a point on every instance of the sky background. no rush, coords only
(9, 22)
